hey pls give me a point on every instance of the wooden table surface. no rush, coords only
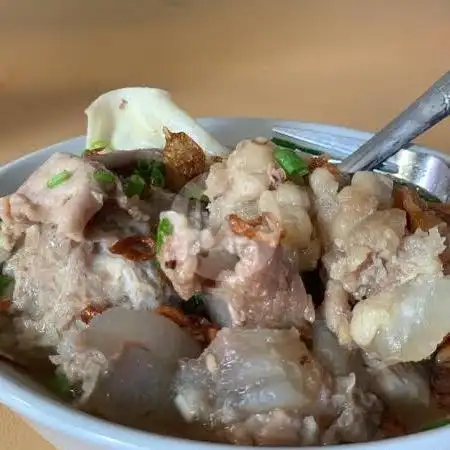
(350, 63)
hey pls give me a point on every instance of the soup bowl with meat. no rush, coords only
(198, 284)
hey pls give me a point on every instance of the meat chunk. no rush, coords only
(56, 279)
(68, 205)
(244, 186)
(263, 289)
(252, 281)
(253, 383)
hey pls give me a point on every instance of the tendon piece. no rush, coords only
(135, 248)
(140, 369)
(406, 323)
(264, 387)
(183, 160)
(245, 372)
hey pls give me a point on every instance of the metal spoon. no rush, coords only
(425, 112)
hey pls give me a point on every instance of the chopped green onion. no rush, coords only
(291, 163)
(61, 386)
(165, 228)
(98, 145)
(436, 424)
(5, 282)
(134, 185)
(104, 176)
(151, 171)
(144, 168)
(287, 144)
(59, 179)
(157, 177)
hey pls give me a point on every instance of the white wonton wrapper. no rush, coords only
(134, 118)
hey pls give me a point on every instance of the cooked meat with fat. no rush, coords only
(68, 204)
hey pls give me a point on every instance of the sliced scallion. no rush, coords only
(58, 179)
(165, 228)
(104, 176)
(134, 185)
(290, 162)
(98, 145)
(144, 168)
(157, 177)
(5, 282)
(436, 424)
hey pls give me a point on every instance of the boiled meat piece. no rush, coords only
(56, 279)
(249, 282)
(68, 205)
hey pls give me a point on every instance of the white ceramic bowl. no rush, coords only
(69, 429)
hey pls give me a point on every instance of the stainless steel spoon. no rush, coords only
(425, 112)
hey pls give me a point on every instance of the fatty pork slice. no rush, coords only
(339, 211)
(133, 381)
(406, 323)
(68, 205)
(290, 205)
(57, 280)
(264, 387)
(235, 185)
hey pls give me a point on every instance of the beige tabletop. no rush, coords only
(347, 62)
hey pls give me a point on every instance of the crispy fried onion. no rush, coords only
(88, 313)
(323, 161)
(135, 248)
(265, 228)
(183, 159)
(199, 327)
(419, 213)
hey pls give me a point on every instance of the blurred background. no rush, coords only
(349, 62)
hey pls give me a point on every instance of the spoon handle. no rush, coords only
(426, 111)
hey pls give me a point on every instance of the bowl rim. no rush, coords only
(55, 415)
